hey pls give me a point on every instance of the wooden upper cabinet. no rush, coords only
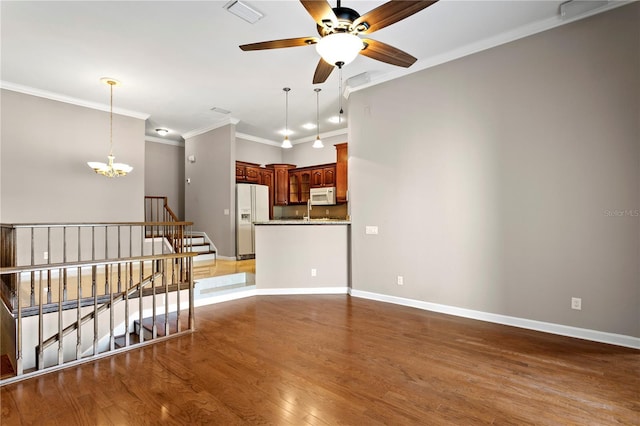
(329, 176)
(342, 185)
(247, 172)
(252, 174)
(324, 175)
(280, 183)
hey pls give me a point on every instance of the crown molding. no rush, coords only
(257, 139)
(69, 100)
(332, 133)
(485, 44)
(155, 139)
(216, 125)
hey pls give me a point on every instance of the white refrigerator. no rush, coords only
(252, 205)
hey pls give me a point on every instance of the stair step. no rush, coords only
(194, 240)
(147, 325)
(200, 248)
(6, 368)
(120, 340)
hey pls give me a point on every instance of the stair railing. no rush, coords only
(90, 269)
(157, 210)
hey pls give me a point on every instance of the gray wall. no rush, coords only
(45, 148)
(508, 181)
(212, 187)
(164, 174)
(303, 154)
(255, 152)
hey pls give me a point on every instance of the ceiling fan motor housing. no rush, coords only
(346, 16)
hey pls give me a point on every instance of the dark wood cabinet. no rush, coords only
(299, 186)
(280, 183)
(324, 175)
(247, 172)
(266, 178)
(342, 158)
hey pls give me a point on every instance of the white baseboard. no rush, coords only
(297, 291)
(547, 327)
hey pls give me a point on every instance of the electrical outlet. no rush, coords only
(45, 255)
(326, 212)
(400, 280)
(371, 230)
(226, 212)
(314, 272)
(576, 303)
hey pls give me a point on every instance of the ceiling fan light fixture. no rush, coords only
(162, 132)
(339, 47)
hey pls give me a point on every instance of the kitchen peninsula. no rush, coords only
(312, 256)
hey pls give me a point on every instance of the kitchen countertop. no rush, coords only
(305, 222)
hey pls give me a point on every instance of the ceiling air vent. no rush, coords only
(244, 11)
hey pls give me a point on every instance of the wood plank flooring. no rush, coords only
(333, 359)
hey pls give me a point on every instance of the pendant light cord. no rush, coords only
(111, 121)
(340, 94)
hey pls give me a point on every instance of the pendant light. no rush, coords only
(286, 143)
(317, 143)
(110, 169)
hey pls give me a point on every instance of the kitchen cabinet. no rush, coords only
(299, 186)
(266, 178)
(323, 176)
(280, 183)
(341, 172)
(247, 172)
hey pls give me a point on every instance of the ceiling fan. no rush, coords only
(339, 28)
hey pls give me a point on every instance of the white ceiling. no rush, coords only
(177, 60)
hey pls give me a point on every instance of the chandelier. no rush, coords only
(110, 169)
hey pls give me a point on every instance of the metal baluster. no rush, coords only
(119, 257)
(94, 273)
(106, 256)
(126, 304)
(64, 260)
(49, 263)
(40, 354)
(141, 334)
(154, 329)
(33, 273)
(79, 314)
(179, 284)
(112, 337)
(192, 320)
(166, 297)
(60, 351)
(19, 369)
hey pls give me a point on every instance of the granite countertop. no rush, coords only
(305, 222)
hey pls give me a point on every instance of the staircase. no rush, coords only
(200, 244)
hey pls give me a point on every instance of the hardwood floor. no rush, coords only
(295, 360)
(219, 267)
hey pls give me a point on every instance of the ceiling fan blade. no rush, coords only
(321, 12)
(277, 44)
(323, 70)
(383, 52)
(390, 13)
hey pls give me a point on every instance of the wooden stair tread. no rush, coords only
(6, 368)
(120, 340)
(147, 324)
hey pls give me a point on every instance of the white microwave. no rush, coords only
(323, 196)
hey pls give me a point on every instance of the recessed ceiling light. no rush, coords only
(162, 132)
(244, 11)
(309, 126)
(335, 119)
(286, 132)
